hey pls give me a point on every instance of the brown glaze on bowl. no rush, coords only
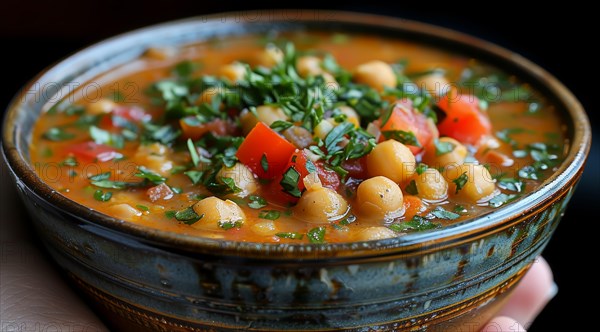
(146, 279)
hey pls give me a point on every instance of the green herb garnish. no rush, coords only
(264, 163)
(502, 199)
(148, 175)
(404, 137)
(441, 148)
(411, 188)
(257, 202)
(316, 235)
(187, 216)
(269, 214)
(440, 213)
(289, 182)
(417, 223)
(290, 235)
(460, 182)
(101, 196)
(57, 135)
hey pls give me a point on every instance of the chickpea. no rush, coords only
(207, 95)
(374, 233)
(247, 121)
(101, 106)
(376, 74)
(217, 214)
(154, 157)
(391, 159)
(270, 57)
(299, 136)
(379, 198)
(431, 185)
(124, 211)
(242, 177)
(330, 81)
(351, 115)
(320, 205)
(233, 72)
(435, 83)
(453, 158)
(477, 185)
(265, 228)
(309, 66)
(265, 113)
(323, 128)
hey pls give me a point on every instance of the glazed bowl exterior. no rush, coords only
(146, 279)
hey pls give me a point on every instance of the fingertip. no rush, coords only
(532, 294)
(502, 324)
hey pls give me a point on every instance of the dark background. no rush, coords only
(34, 34)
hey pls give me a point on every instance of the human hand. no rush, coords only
(528, 299)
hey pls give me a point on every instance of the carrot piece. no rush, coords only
(412, 206)
(265, 152)
(464, 120)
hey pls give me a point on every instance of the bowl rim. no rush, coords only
(501, 218)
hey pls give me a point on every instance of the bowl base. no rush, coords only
(469, 315)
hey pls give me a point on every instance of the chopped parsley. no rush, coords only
(289, 182)
(193, 152)
(150, 176)
(502, 199)
(269, 214)
(417, 223)
(58, 135)
(230, 224)
(195, 176)
(264, 163)
(101, 136)
(280, 125)
(290, 235)
(257, 202)
(188, 216)
(511, 184)
(421, 168)
(442, 148)
(101, 196)
(231, 186)
(411, 188)
(440, 213)
(404, 137)
(70, 161)
(460, 181)
(316, 235)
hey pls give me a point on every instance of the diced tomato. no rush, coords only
(132, 113)
(405, 118)
(356, 168)
(160, 192)
(129, 113)
(298, 161)
(193, 129)
(329, 178)
(264, 142)
(464, 120)
(90, 151)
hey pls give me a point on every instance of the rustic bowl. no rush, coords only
(146, 279)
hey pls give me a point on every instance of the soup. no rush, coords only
(299, 138)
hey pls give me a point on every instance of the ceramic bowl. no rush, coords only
(146, 279)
